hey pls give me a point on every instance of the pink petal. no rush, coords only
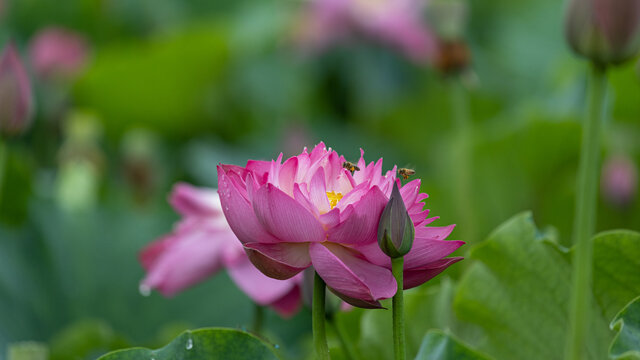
(410, 192)
(365, 304)
(153, 251)
(300, 194)
(413, 278)
(192, 201)
(353, 196)
(289, 304)
(292, 254)
(188, 260)
(287, 175)
(319, 151)
(426, 251)
(434, 232)
(239, 213)
(259, 167)
(261, 289)
(330, 219)
(270, 267)
(318, 192)
(284, 217)
(274, 170)
(362, 225)
(351, 276)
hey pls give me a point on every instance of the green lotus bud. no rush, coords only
(604, 31)
(395, 230)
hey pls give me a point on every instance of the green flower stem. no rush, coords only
(258, 319)
(585, 219)
(462, 156)
(397, 267)
(349, 351)
(3, 160)
(318, 319)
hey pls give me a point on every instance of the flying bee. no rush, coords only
(405, 173)
(350, 166)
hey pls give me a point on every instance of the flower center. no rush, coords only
(334, 197)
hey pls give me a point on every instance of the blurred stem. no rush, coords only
(349, 352)
(318, 318)
(258, 319)
(585, 219)
(397, 265)
(462, 156)
(3, 160)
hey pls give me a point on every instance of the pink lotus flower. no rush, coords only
(395, 22)
(16, 102)
(56, 51)
(201, 245)
(310, 211)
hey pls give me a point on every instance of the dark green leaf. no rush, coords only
(626, 344)
(211, 343)
(438, 345)
(518, 291)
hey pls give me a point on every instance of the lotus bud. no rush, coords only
(619, 181)
(604, 31)
(57, 52)
(448, 18)
(16, 103)
(395, 229)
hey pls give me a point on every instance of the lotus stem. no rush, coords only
(3, 160)
(462, 155)
(258, 319)
(399, 348)
(318, 319)
(585, 219)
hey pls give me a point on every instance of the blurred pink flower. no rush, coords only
(55, 51)
(397, 23)
(619, 182)
(16, 101)
(310, 211)
(201, 245)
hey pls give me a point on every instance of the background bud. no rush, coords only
(604, 31)
(58, 52)
(16, 103)
(619, 181)
(395, 230)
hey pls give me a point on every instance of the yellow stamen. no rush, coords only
(334, 197)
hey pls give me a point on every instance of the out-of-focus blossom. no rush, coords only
(140, 163)
(604, 31)
(16, 101)
(201, 245)
(81, 162)
(311, 211)
(395, 22)
(58, 52)
(619, 180)
(448, 18)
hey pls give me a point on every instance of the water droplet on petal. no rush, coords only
(144, 289)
